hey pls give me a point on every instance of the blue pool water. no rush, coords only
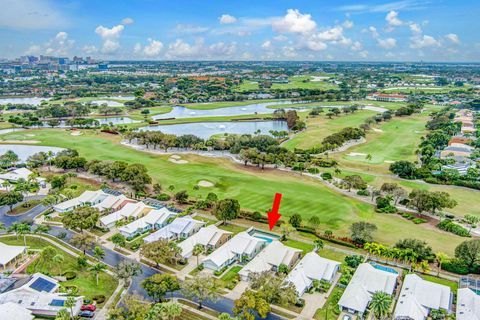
(383, 268)
(263, 235)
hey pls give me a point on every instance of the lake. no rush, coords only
(205, 130)
(25, 151)
(33, 101)
(179, 112)
(107, 121)
(109, 103)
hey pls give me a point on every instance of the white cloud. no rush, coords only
(222, 49)
(315, 44)
(387, 43)
(294, 22)
(60, 45)
(372, 30)
(425, 41)
(190, 28)
(415, 28)
(332, 34)
(127, 21)
(227, 19)
(110, 37)
(280, 38)
(30, 14)
(289, 52)
(393, 20)
(267, 45)
(183, 50)
(151, 50)
(90, 49)
(363, 54)
(347, 24)
(453, 38)
(356, 46)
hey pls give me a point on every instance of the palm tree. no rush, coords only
(41, 229)
(318, 244)
(97, 268)
(197, 250)
(380, 305)
(70, 303)
(58, 260)
(98, 253)
(440, 258)
(6, 184)
(20, 229)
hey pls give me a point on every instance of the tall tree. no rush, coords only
(96, 269)
(249, 304)
(362, 232)
(201, 289)
(10, 199)
(226, 209)
(81, 218)
(469, 252)
(126, 270)
(158, 285)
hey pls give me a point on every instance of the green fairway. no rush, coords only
(295, 82)
(252, 187)
(394, 140)
(321, 126)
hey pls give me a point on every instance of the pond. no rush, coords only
(25, 151)
(205, 130)
(109, 103)
(32, 101)
(107, 121)
(179, 112)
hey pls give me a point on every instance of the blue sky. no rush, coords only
(405, 30)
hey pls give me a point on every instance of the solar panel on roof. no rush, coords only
(42, 285)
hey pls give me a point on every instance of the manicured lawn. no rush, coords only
(306, 247)
(231, 277)
(332, 255)
(208, 221)
(84, 281)
(232, 228)
(223, 104)
(321, 126)
(252, 187)
(452, 284)
(26, 206)
(330, 310)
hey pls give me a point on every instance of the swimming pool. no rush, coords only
(269, 237)
(383, 268)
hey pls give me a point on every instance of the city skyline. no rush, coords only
(407, 30)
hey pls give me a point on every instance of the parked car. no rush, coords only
(346, 317)
(89, 307)
(86, 314)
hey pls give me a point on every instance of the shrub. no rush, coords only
(163, 197)
(219, 272)
(450, 226)
(456, 266)
(419, 220)
(70, 275)
(99, 298)
(353, 261)
(364, 192)
(313, 170)
(326, 176)
(200, 267)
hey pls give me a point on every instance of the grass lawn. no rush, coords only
(78, 185)
(305, 247)
(330, 310)
(84, 281)
(24, 207)
(208, 221)
(223, 104)
(137, 114)
(332, 255)
(452, 284)
(321, 126)
(231, 277)
(252, 187)
(232, 228)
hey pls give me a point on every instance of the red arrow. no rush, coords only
(273, 215)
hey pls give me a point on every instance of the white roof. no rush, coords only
(275, 254)
(14, 311)
(14, 175)
(468, 305)
(206, 236)
(178, 226)
(311, 267)
(110, 201)
(242, 243)
(365, 281)
(132, 209)
(29, 298)
(8, 253)
(418, 296)
(87, 196)
(154, 216)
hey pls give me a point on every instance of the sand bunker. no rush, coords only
(177, 159)
(21, 141)
(389, 161)
(205, 184)
(76, 133)
(356, 154)
(377, 130)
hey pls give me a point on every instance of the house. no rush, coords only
(419, 296)
(271, 258)
(113, 203)
(312, 267)
(129, 211)
(456, 139)
(10, 254)
(155, 219)
(40, 296)
(241, 247)
(468, 304)
(377, 96)
(457, 151)
(461, 168)
(14, 311)
(180, 228)
(86, 198)
(210, 238)
(16, 174)
(365, 281)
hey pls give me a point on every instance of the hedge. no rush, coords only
(450, 226)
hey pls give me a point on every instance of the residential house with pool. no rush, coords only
(180, 228)
(88, 197)
(312, 267)
(242, 247)
(418, 297)
(367, 279)
(468, 304)
(39, 295)
(270, 259)
(210, 238)
(130, 211)
(153, 220)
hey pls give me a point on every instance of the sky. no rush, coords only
(404, 30)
